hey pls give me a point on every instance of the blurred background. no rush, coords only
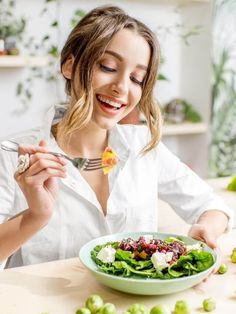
(196, 86)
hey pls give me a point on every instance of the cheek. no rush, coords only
(99, 80)
(136, 96)
(95, 81)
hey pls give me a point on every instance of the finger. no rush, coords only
(195, 231)
(37, 167)
(30, 149)
(196, 234)
(43, 143)
(199, 232)
(40, 178)
(44, 175)
(17, 175)
(43, 164)
(197, 237)
(209, 239)
(38, 156)
(211, 242)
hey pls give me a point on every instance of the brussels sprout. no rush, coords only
(94, 303)
(232, 185)
(160, 309)
(233, 256)
(108, 308)
(182, 307)
(83, 310)
(222, 269)
(209, 305)
(138, 308)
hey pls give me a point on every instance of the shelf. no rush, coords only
(184, 129)
(177, 2)
(22, 61)
(186, 1)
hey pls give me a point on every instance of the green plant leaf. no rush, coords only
(162, 77)
(19, 88)
(53, 51)
(54, 24)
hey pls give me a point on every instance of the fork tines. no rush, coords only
(93, 164)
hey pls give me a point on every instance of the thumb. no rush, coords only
(43, 143)
(211, 242)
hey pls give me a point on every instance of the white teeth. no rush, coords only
(109, 102)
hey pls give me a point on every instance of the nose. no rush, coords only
(120, 85)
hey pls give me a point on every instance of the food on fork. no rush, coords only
(109, 159)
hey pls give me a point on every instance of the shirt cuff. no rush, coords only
(2, 265)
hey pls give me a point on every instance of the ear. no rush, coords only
(67, 67)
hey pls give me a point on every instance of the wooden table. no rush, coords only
(61, 287)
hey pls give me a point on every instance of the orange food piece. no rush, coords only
(142, 255)
(109, 159)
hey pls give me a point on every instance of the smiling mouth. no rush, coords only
(109, 104)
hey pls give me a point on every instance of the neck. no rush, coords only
(89, 142)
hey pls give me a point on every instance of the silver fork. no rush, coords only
(86, 164)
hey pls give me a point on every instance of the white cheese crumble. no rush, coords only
(192, 247)
(160, 260)
(107, 254)
(148, 238)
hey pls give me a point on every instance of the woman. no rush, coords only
(110, 64)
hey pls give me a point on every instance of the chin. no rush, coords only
(106, 124)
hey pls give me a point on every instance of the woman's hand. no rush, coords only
(39, 181)
(209, 227)
(204, 233)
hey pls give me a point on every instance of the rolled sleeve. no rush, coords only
(2, 265)
(186, 192)
(7, 190)
(7, 185)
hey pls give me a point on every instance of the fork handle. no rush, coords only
(59, 155)
(14, 149)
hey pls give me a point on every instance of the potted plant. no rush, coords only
(11, 28)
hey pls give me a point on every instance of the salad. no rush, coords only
(148, 257)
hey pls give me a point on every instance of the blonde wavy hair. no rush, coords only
(87, 43)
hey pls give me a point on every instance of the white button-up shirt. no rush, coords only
(134, 185)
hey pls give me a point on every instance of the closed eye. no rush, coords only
(136, 81)
(112, 70)
(106, 69)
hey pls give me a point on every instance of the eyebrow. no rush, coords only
(119, 57)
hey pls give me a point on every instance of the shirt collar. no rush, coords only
(116, 138)
(53, 116)
(118, 142)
